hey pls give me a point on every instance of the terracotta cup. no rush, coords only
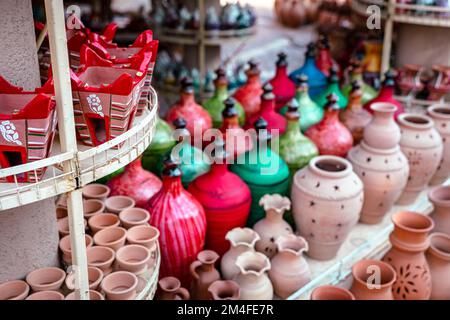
(65, 247)
(331, 293)
(133, 258)
(101, 257)
(14, 290)
(63, 226)
(46, 295)
(120, 285)
(134, 217)
(113, 237)
(96, 191)
(93, 295)
(170, 289)
(95, 277)
(440, 198)
(46, 279)
(224, 290)
(146, 236)
(61, 212)
(116, 204)
(103, 221)
(92, 207)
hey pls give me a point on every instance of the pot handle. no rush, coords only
(194, 266)
(183, 293)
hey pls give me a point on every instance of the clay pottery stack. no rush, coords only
(331, 293)
(203, 274)
(101, 257)
(65, 247)
(438, 258)
(252, 277)
(407, 256)
(380, 164)
(249, 95)
(289, 270)
(273, 225)
(372, 280)
(113, 237)
(283, 87)
(14, 290)
(134, 217)
(96, 191)
(224, 290)
(133, 258)
(327, 197)
(422, 145)
(120, 285)
(46, 295)
(46, 279)
(170, 289)
(440, 113)
(92, 207)
(103, 221)
(241, 240)
(95, 277)
(440, 198)
(116, 204)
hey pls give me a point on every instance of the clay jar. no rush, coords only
(372, 280)
(116, 204)
(133, 258)
(134, 217)
(423, 147)
(92, 207)
(203, 274)
(440, 113)
(289, 270)
(224, 290)
(327, 197)
(46, 279)
(101, 257)
(241, 240)
(440, 198)
(14, 290)
(95, 191)
(170, 289)
(331, 293)
(113, 237)
(103, 221)
(273, 225)
(409, 241)
(438, 258)
(120, 285)
(382, 132)
(252, 277)
(384, 173)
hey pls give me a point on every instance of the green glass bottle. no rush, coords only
(263, 170)
(356, 74)
(310, 112)
(332, 88)
(215, 105)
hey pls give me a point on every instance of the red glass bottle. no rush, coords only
(135, 182)
(181, 221)
(324, 61)
(225, 198)
(283, 87)
(330, 135)
(249, 95)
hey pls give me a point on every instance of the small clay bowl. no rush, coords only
(92, 207)
(133, 258)
(113, 237)
(134, 217)
(46, 295)
(103, 221)
(95, 277)
(63, 226)
(14, 290)
(93, 295)
(120, 285)
(101, 257)
(61, 212)
(46, 279)
(65, 246)
(143, 235)
(95, 191)
(116, 204)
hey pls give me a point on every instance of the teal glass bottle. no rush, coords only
(332, 88)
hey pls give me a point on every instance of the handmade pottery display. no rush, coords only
(273, 225)
(215, 105)
(440, 113)
(382, 132)
(249, 95)
(92, 207)
(329, 135)
(289, 270)
(14, 290)
(203, 274)
(96, 191)
(252, 277)
(224, 290)
(356, 74)
(134, 217)
(188, 109)
(170, 289)
(177, 215)
(332, 88)
(327, 197)
(45, 279)
(125, 184)
(241, 240)
(113, 237)
(102, 221)
(225, 198)
(331, 293)
(120, 285)
(101, 257)
(116, 204)
(440, 85)
(423, 147)
(440, 198)
(438, 258)
(407, 256)
(283, 87)
(262, 170)
(354, 116)
(324, 60)
(373, 280)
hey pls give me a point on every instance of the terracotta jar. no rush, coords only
(203, 274)
(113, 237)
(46, 295)
(373, 280)
(333, 87)
(188, 109)
(407, 256)
(423, 147)
(96, 191)
(225, 198)
(440, 113)
(331, 293)
(384, 173)
(438, 258)
(14, 290)
(134, 217)
(249, 95)
(170, 289)
(136, 183)
(224, 290)
(103, 221)
(120, 285)
(241, 240)
(289, 270)
(283, 87)
(177, 215)
(440, 198)
(273, 225)
(44, 279)
(101, 257)
(252, 277)
(355, 117)
(327, 197)
(329, 135)
(382, 132)
(133, 258)
(116, 204)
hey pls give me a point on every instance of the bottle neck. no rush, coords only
(387, 91)
(172, 185)
(230, 123)
(221, 90)
(281, 72)
(186, 98)
(219, 168)
(293, 125)
(355, 102)
(267, 105)
(253, 79)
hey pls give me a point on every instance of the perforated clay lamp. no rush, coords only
(215, 105)
(356, 74)
(249, 95)
(283, 87)
(332, 88)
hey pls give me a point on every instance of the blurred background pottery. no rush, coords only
(249, 95)
(283, 87)
(440, 113)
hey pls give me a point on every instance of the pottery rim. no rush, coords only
(131, 236)
(93, 207)
(336, 293)
(55, 279)
(440, 245)
(292, 243)
(124, 216)
(14, 290)
(404, 221)
(46, 295)
(119, 203)
(253, 263)
(65, 246)
(110, 283)
(275, 202)
(169, 284)
(242, 237)
(144, 255)
(383, 108)
(224, 290)
(338, 167)
(93, 295)
(439, 111)
(110, 236)
(388, 277)
(415, 121)
(108, 252)
(207, 257)
(440, 195)
(95, 191)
